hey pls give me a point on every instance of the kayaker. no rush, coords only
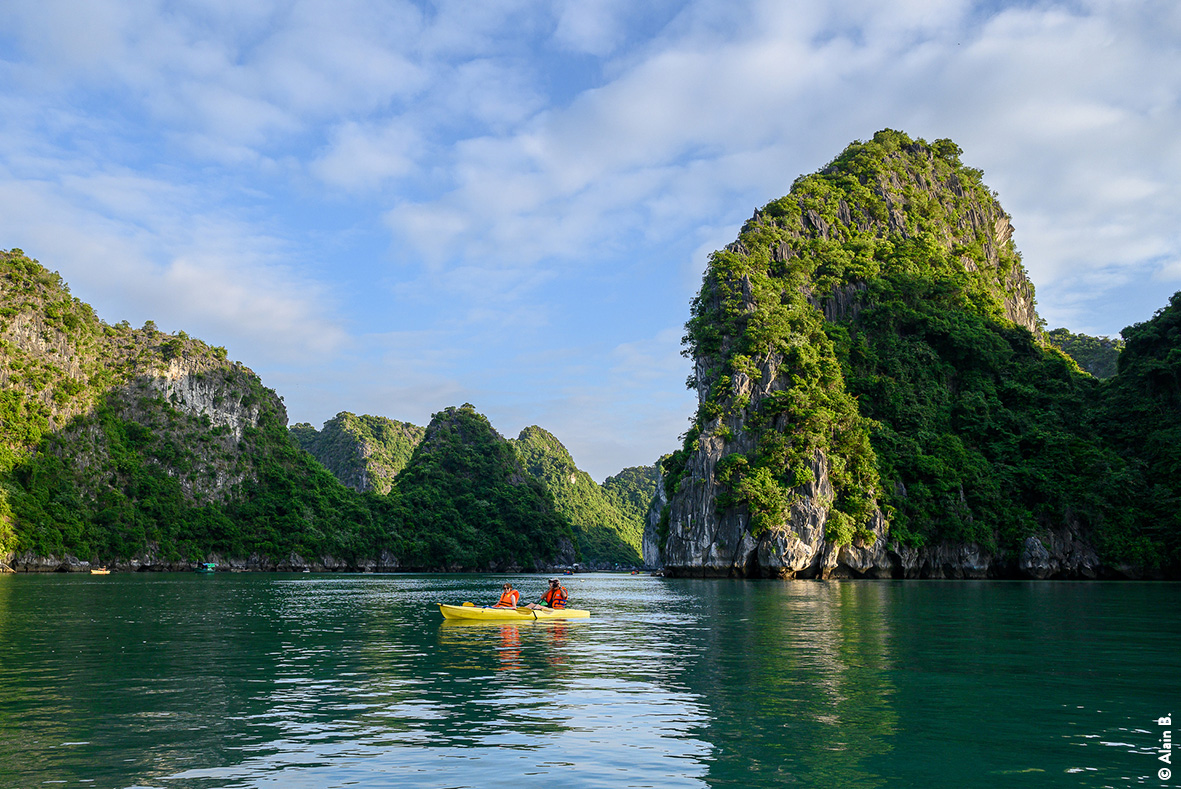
(554, 597)
(508, 598)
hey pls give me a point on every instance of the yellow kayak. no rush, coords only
(489, 613)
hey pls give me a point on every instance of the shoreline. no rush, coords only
(1108, 576)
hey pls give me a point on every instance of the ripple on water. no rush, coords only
(320, 681)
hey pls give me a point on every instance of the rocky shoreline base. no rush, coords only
(1054, 556)
(294, 563)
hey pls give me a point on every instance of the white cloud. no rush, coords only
(365, 157)
(1057, 103)
(596, 27)
(138, 248)
(160, 155)
(245, 76)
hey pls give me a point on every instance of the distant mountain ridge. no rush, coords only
(368, 452)
(1098, 356)
(141, 449)
(607, 518)
(364, 452)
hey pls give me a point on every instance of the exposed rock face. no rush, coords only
(33, 337)
(723, 546)
(196, 388)
(195, 415)
(1019, 301)
(782, 555)
(650, 541)
(1061, 555)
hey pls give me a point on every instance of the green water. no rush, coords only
(261, 680)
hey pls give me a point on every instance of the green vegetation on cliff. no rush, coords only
(469, 503)
(118, 443)
(1140, 414)
(85, 435)
(878, 317)
(980, 434)
(606, 534)
(364, 452)
(1098, 356)
(632, 491)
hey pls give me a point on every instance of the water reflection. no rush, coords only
(796, 681)
(251, 681)
(433, 702)
(465, 643)
(204, 681)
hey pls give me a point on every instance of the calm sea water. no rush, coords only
(258, 680)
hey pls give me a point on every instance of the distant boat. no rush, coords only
(99, 571)
(206, 567)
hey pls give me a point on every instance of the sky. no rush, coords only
(390, 206)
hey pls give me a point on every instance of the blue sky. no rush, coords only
(392, 207)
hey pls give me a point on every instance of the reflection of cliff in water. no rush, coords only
(223, 680)
(795, 679)
(141, 672)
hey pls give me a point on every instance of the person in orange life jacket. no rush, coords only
(508, 598)
(554, 597)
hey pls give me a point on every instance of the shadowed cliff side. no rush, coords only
(608, 532)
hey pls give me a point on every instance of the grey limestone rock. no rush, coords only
(650, 540)
(1035, 559)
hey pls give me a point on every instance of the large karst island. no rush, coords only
(877, 398)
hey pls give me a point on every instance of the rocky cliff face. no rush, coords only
(72, 377)
(206, 406)
(194, 418)
(655, 526)
(205, 389)
(777, 478)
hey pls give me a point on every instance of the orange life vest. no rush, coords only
(508, 599)
(556, 598)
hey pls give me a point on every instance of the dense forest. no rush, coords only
(135, 447)
(1098, 356)
(364, 452)
(369, 452)
(867, 356)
